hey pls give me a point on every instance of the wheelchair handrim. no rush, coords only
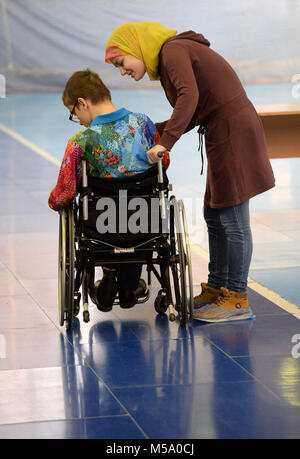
(62, 267)
(189, 258)
(70, 270)
(66, 267)
(180, 292)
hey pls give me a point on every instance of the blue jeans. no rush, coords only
(230, 246)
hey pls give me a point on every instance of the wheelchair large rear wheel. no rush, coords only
(66, 260)
(188, 260)
(178, 261)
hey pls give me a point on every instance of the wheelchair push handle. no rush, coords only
(161, 192)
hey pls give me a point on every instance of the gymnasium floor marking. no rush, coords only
(30, 145)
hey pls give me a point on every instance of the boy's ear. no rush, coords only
(83, 102)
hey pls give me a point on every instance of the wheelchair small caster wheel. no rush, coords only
(86, 316)
(172, 317)
(160, 304)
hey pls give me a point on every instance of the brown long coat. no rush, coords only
(204, 90)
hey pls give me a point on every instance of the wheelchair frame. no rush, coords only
(79, 255)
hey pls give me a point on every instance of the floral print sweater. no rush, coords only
(115, 145)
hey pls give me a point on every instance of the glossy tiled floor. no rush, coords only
(131, 373)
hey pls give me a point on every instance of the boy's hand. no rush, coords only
(155, 153)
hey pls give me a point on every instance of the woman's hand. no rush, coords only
(155, 153)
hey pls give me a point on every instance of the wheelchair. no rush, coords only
(158, 239)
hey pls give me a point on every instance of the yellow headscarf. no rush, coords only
(142, 40)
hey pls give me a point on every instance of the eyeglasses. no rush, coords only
(73, 117)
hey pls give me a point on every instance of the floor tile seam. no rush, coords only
(266, 384)
(264, 356)
(158, 341)
(48, 317)
(39, 327)
(87, 365)
(116, 398)
(50, 367)
(255, 378)
(42, 309)
(162, 385)
(106, 385)
(46, 421)
(19, 295)
(162, 339)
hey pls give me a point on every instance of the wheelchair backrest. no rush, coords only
(129, 205)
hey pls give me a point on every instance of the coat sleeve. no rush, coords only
(161, 126)
(154, 138)
(166, 157)
(176, 61)
(69, 176)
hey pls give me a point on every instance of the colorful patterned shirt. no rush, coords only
(115, 145)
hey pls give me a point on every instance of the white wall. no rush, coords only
(44, 41)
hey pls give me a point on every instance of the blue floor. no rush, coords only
(130, 373)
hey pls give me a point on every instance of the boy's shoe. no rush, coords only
(227, 307)
(106, 290)
(207, 295)
(129, 298)
(142, 289)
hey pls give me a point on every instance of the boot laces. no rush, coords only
(223, 297)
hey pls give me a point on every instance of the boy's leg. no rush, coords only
(128, 276)
(106, 289)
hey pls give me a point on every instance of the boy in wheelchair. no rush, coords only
(114, 142)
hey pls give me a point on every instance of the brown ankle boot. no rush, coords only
(208, 295)
(229, 306)
(231, 299)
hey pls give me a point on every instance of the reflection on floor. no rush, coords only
(131, 373)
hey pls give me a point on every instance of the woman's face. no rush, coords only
(130, 65)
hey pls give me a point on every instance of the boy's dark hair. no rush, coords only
(85, 84)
